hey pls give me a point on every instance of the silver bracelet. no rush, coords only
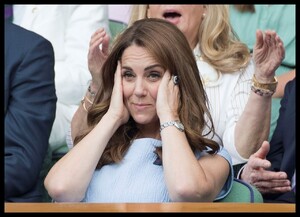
(175, 123)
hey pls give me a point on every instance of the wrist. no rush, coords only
(175, 123)
(92, 89)
(264, 89)
(270, 84)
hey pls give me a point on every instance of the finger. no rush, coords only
(263, 150)
(96, 36)
(272, 42)
(101, 30)
(118, 73)
(105, 44)
(94, 46)
(280, 45)
(267, 37)
(258, 159)
(270, 38)
(273, 183)
(117, 89)
(271, 176)
(278, 40)
(259, 39)
(166, 77)
(274, 190)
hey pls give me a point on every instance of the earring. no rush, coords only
(203, 15)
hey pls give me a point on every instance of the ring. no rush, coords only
(175, 79)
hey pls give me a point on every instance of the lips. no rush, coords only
(139, 106)
(172, 16)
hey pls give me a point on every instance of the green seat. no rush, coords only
(242, 192)
(116, 27)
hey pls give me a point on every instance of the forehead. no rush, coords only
(136, 53)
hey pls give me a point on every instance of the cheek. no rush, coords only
(153, 12)
(153, 91)
(127, 91)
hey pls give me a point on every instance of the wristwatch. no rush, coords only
(175, 123)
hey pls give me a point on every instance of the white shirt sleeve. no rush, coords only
(235, 107)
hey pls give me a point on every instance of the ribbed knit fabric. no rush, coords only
(136, 179)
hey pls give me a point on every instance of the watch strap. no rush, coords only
(175, 123)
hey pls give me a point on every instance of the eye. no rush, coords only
(128, 75)
(154, 76)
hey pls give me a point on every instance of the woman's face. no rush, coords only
(186, 17)
(141, 76)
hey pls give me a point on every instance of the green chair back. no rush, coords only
(242, 192)
(116, 27)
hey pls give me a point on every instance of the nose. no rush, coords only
(140, 88)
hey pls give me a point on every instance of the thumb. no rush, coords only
(263, 150)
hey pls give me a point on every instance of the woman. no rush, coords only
(241, 116)
(150, 135)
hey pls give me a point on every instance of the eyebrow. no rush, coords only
(147, 68)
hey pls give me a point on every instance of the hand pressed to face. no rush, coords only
(167, 99)
(268, 54)
(117, 108)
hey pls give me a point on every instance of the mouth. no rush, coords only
(172, 16)
(139, 106)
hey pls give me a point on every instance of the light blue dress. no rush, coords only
(136, 179)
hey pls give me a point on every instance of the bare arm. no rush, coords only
(96, 56)
(68, 179)
(187, 178)
(253, 126)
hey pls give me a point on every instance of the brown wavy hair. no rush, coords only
(167, 44)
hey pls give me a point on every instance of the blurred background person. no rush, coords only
(69, 29)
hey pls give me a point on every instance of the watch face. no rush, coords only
(179, 126)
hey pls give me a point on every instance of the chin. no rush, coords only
(142, 119)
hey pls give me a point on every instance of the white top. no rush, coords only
(69, 28)
(227, 94)
(136, 179)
